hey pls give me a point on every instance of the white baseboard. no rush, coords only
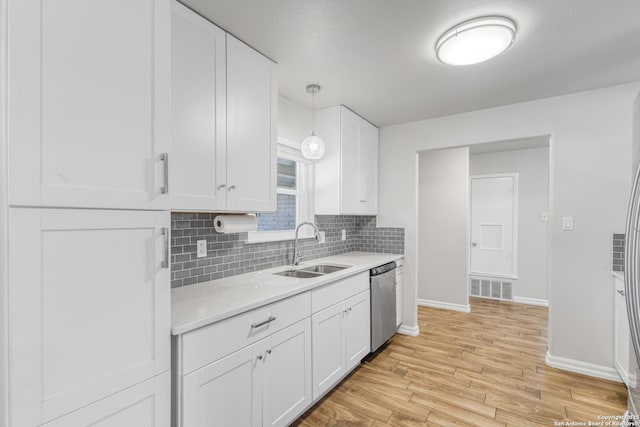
(531, 301)
(413, 331)
(444, 305)
(580, 367)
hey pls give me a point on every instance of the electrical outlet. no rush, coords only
(201, 248)
(344, 234)
(321, 238)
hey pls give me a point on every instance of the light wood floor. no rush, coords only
(484, 368)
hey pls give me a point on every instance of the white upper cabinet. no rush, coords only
(89, 103)
(89, 308)
(352, 149)
(224, 120)
(252, 103)
(198, 75)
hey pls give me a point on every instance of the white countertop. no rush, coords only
(204, 303)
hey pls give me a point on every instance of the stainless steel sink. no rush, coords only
(313, 271)
(300, 274)
(325, 268)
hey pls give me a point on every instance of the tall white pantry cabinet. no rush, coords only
(85, 238)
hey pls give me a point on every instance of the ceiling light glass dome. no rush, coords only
(476, 40)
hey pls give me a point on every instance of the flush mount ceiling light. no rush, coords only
(476, 40)
(312, 146)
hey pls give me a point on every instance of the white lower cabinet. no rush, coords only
(226, 392)
(357, 329)
(328, 349)
(267, 366)
(267, 383)
(341, 333)
(89, 311)
(287, 375)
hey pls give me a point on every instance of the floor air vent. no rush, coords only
(492, 288)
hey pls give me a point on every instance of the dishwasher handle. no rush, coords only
(385, 268)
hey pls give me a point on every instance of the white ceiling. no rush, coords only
(377, 57)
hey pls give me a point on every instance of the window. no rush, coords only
(286, 216)
(294, 199)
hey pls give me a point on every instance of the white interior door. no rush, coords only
(494, 201)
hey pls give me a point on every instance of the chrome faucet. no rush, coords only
(297, 255)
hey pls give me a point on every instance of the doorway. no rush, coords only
(494, 195)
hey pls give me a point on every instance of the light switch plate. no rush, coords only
(567, 223)
(201, 248)
(344, 234)
(322, 237)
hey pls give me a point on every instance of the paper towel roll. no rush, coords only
(235, 223)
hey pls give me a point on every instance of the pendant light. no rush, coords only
(476, 40)
(312, 146)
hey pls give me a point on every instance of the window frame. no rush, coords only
(290, 150)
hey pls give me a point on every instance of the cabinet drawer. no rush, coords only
(210, 343)
(331, 294)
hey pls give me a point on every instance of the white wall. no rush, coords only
(532, 166)
(590, 180)
(294, 120)
(443, 222)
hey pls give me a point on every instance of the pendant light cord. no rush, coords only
(313, 112)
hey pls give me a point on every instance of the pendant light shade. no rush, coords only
(476, 40)
(313, 146)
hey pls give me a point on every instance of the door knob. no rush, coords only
(474, 244)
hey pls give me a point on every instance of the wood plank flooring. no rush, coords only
(485, 368)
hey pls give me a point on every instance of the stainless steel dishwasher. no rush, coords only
(383, 304)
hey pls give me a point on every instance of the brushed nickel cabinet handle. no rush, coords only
(164, 157)
(620, 291)
(165, 261)
(233, 187)
(264, 322)
(221, 186)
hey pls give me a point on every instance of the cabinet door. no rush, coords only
(357, 327)
(328, 348)
(368, 144)
(227, 392)
(621, 333)
(198, 70)
(350, 185)
(89, 101)
(399, 295)
(89, 307)
(287, 375)
(144, 405)
(252, 97)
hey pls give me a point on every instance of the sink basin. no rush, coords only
(325, 268)
(300, 274)
(313, 271)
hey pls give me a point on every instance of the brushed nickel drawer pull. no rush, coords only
(621, 292)
(264, 322)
